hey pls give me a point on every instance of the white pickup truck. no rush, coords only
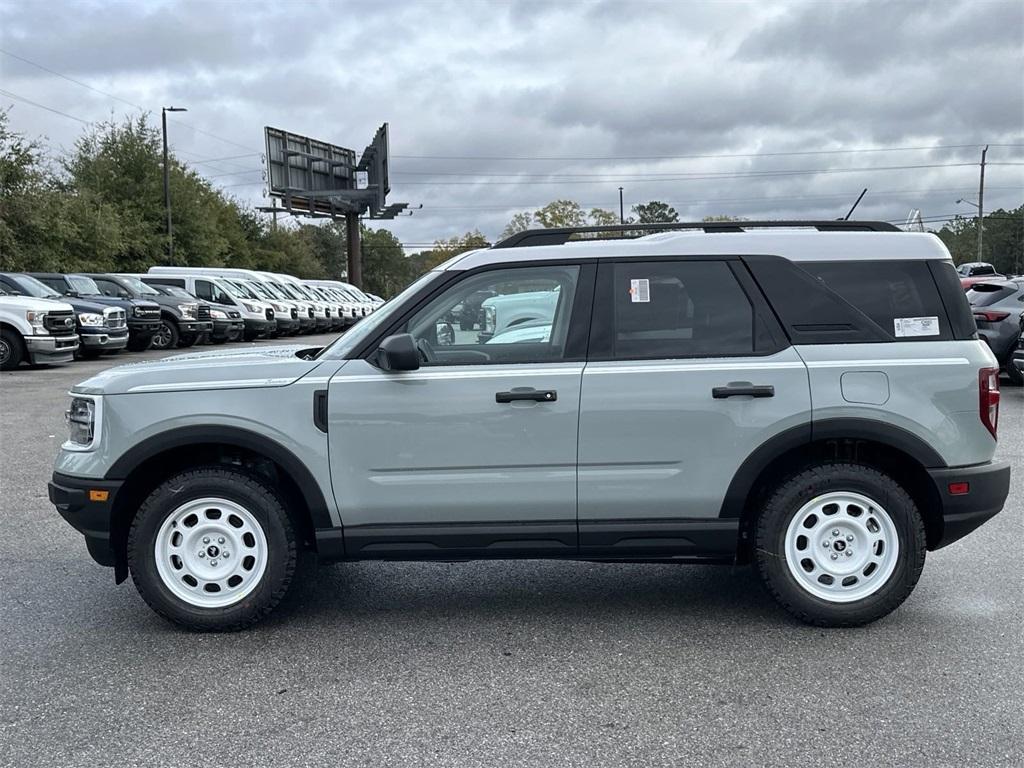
(35, 331)
(513, 309)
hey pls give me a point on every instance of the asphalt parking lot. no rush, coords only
(495, 663)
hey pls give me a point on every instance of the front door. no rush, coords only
(688, 376)
(474, 454)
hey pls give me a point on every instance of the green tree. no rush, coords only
(446, 249)
(520, 222)
(1002, 244)
(561, 213)
(386, 268)
(655, 212)
(600, 217)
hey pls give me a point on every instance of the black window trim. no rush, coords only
(601, 335)
(577, 337)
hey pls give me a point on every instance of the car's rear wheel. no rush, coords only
(840, 545)
(1015, 374)
(212, 549)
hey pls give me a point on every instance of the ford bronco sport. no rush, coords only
(811, 398)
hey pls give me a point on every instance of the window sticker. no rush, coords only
(640, 291)
(916, 326)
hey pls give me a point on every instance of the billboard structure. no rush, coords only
(317, 179)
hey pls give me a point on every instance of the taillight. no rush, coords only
(988, 391)
(990, 316)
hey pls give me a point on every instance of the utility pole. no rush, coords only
(622, 212)
(355, 256)
(981, 202)
(167, 182)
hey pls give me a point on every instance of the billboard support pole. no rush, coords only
(355, 256)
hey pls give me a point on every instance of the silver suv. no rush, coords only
(810, 398)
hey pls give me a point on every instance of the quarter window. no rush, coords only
(678, 309)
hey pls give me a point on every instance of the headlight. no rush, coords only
(279, 307)
(81, 418)
(188, 310)
(490, 318)
(138, 311)
(217, 314)
(88, 318)
(251, 307)
(35, 319)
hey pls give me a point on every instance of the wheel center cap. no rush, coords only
(212, 550)
(839, 546)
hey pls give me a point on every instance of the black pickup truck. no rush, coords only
(143, 316)
(182, 323)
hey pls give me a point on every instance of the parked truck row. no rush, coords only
(49, 317)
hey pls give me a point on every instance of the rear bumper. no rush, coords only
(51, 349)
(71, 497)
(989, 485)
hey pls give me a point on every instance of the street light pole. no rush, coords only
(622, 212)
(167, 180)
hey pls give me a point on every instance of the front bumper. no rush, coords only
(225, 329)
(288, 324)
(104, 340)
(51, 349)
(988, 484)
(82, 503)
(260, 327)
(306, 323)
(143, 326)
(195, 326)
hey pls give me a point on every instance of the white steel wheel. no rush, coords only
(211, 552)
(841, 547)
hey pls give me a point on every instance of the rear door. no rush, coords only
(688, 373)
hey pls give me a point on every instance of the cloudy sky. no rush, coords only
(750, 109)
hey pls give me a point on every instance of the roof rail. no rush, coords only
(561, 235)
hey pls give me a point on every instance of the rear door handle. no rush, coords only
(736, 390)
(526, 393)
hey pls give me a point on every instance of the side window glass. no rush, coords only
(107, 288)
(204, 290)
(679, 309)
(517, 315)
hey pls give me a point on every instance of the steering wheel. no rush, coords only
(426, 350)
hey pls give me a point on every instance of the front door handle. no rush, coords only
(736, 390)
(526, 393)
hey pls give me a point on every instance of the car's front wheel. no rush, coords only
(840, 545)
(166, 336)
(212, 549)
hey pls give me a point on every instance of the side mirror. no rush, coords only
(398, 353)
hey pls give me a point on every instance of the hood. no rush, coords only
(30, 303)
(228, 369)
(85, 305)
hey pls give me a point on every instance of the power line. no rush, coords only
(700, 156)
(10, 95)
(116, 98)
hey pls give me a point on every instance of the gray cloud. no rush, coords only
(538, 79)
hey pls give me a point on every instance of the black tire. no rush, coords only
(186, 340)
(12, 349)
(167, 337)
(783, 505)
(140, 343)
(251, 492)
(1016, 377)
(88, 354)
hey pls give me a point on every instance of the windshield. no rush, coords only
(83, 286)
(285, 292)
(29, 286)
(245, 290)
(138, 286)
(274, 291)
(349, 341)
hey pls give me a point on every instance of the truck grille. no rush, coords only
(203, 312)
(114, 319)
(270, 314)
(147, 312)
(60, 323)
(295, 314)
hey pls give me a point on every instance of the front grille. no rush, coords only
(295, 314)
(234, 314)
(203, 312)
(60, 323)
(114, 319)
(310, 314)
(270, 314)
(147, 312)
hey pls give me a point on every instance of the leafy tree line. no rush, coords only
(99, 207)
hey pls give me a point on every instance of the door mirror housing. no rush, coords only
(398, 353)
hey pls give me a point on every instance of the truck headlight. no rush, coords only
(218, 314)
(490, 318)
(82, 422)
(252, 308)
(35, 319)
(90, 318)
(188, 310)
